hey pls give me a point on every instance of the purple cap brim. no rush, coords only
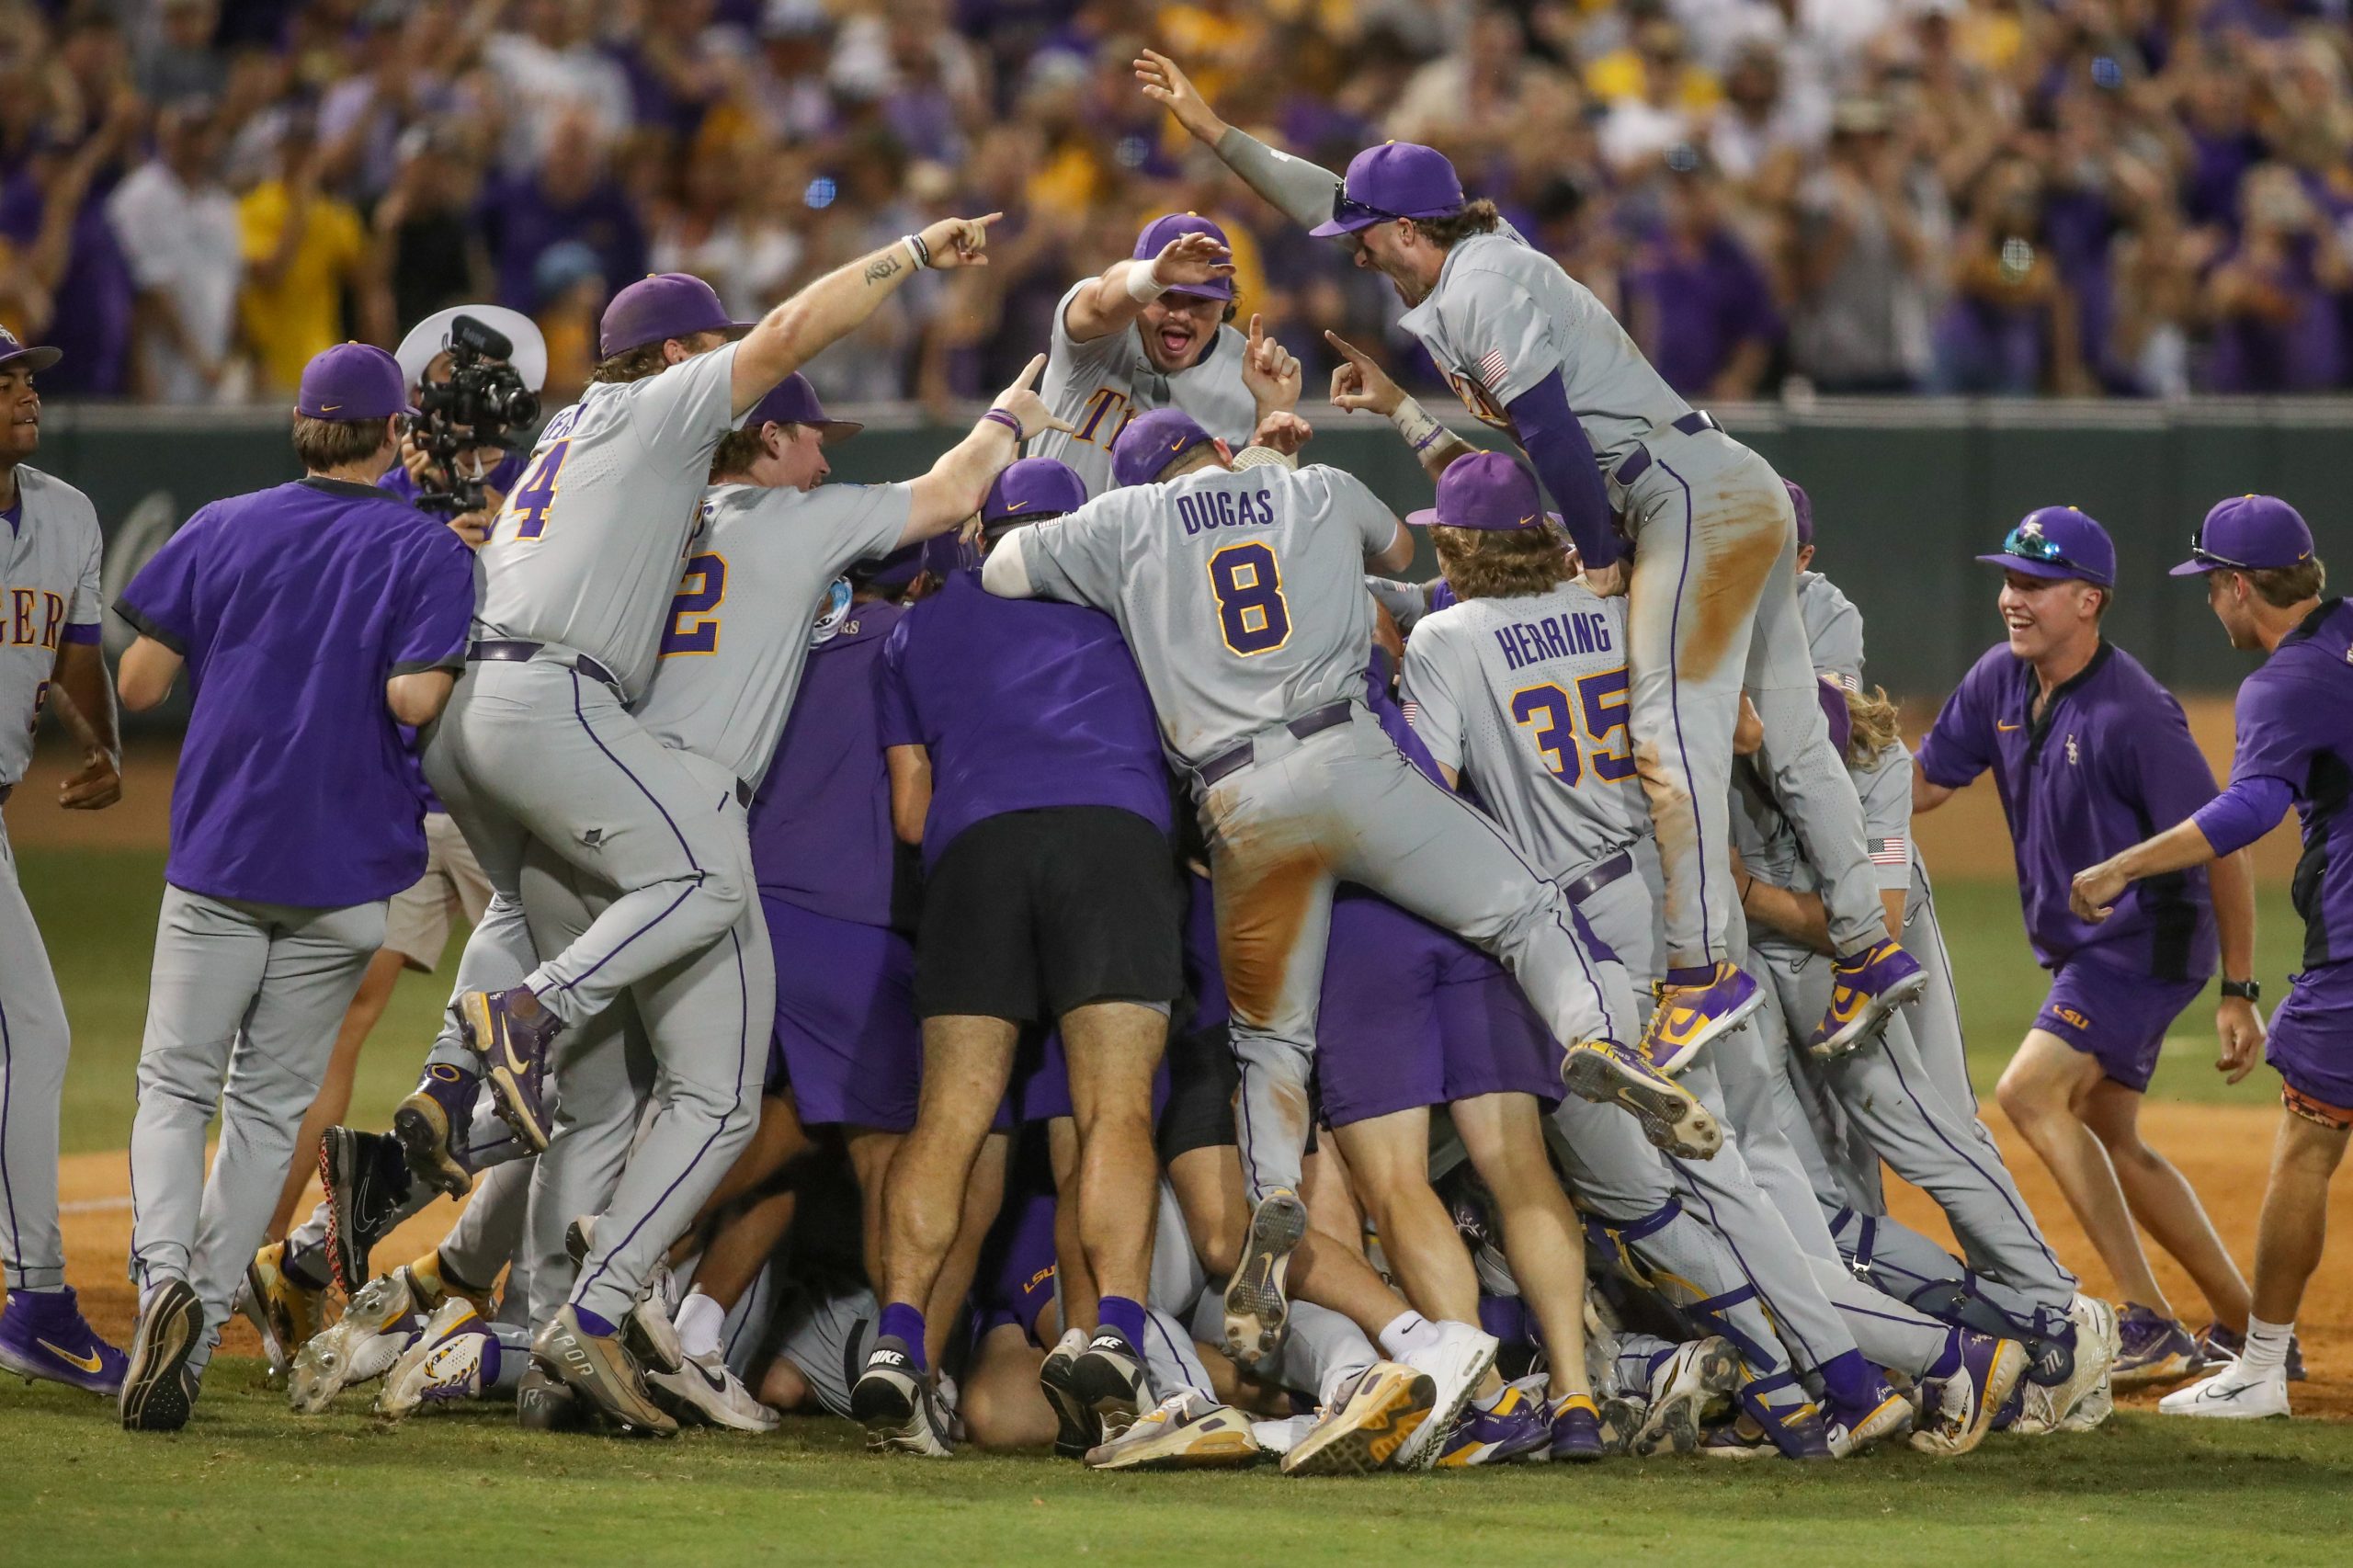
(1427, 518)
(1333, 228)
(2048, 569)
(35, 357)
(2193, 567)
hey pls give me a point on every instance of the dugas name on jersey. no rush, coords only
(1225, 510)
(1553, 637)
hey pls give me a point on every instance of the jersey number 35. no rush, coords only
(1551, 717)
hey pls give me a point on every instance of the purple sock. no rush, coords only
(592, 1322)
(1124, 1314)
(902, 1322)
(1700, 976)
(1850, 1381)
(1948, 1363)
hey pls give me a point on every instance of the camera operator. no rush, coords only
(471, 483)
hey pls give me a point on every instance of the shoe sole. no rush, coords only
(424, 1133)
(1377, 1435)
(1892, 1416)
(309, 1389)
(338, 1179)
(1671, 1425)
(154, 1395)
(2001, 1378)
(1111, 1399)
(1184, 1450)
(1676, 1060)
(577, 1366)
(1671, 1119)
(2169, 1369)
(1620, 1419)
(1255, 1308)
(687, 1408)
(893, 1416)
(1422, 1454)
(549, 1408)
(1872, 1018)
(1074, 1436)
(253, 1305)
(2089, 1370)
(508, 1098)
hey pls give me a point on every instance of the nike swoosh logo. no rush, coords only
(1527, 519)
(90, 1364)
(1017, 505)
(329, 407)
(1999, 725)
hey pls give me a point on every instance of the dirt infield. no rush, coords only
(2225, 1149)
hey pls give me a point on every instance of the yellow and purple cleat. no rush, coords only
(510, 1032)
(1865, 988)
(1605, 1073)
(1691, 1013)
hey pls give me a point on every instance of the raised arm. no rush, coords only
(959, 480)
(1116, 298)
(838, 304)
(1303, 190)
(1359, 384)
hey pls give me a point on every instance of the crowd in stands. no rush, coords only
(2133, 198)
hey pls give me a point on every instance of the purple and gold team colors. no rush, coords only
(2107, 762)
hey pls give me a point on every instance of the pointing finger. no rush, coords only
(1062, 424)
(1029, 372)
(1346, 350)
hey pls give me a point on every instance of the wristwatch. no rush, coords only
(2242, 990)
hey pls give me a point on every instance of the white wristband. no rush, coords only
(1415, 424)
(1144, 287)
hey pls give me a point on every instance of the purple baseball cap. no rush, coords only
(890, 573)
(1031, 489)
(352, 381)
(793, 401)
(2059, 543)
(660, 306)
(1486, 490)
(13, 351)
(2249, 533)
(1396, 179)
(1151, 442)
(1160, 231)
(1802, 504)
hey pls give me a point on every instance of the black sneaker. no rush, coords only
(367, 1181)
(897, 1405)
(1057, 1375)
(159, 1390)
(1110, 1379)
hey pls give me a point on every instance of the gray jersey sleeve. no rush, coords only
(1505, 335)
(1350, 498)
(1406, 602)
(1834, 628)
(1303, 190)
(1432, 694)
(1075, 558)
(1886, 791)
(89, 595)
(682, 413)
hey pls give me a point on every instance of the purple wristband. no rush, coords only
(1002, 417)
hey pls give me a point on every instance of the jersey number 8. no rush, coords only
(1547, 712)
(1251, 614)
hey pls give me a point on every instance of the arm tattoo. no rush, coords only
(881, 267)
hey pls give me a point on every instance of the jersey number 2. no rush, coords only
(1251, 614)
(536, 495)
(1548, 714)
(693, 628)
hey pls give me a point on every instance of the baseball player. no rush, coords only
(1240, 588)
(1532, 352)
(2295, 742)
(49, 640)
(278, 879)
(540, 746)
(2090, 754)
(1155, 331)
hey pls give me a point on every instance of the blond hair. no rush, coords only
(1872, 726)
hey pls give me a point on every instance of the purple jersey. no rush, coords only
(2295, 724)
(1022, 704)
(292, 608)
(2109, 763)
(821, 823)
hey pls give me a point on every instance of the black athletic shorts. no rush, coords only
(1032, 914)
(1202, 1078)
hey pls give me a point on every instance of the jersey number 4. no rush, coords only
(1551, 718)
(693, 628)
(1251, 614)
(535, 496)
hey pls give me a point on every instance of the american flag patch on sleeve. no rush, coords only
(1413, 715)
(1493, 368)
(1890, 852)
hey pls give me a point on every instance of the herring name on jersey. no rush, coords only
(1526, 699)
(1097, 386)
(1241, 594)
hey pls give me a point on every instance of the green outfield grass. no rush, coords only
(252, 1484)
(97, 913)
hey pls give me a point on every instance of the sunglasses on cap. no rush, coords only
(2205, 557)
(2033, 545)
(1346, 209)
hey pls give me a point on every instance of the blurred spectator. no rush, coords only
(179, 228)
(69, 279)
(553, 76)
(739, 241)
(1860, 262)
(178, 60)
(572, 195)
(2277, 326)
(425, 226)
(1697, 301)
(305, 249)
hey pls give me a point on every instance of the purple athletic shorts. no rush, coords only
(1411, 1016)
(2312, 1042)
(2116, 1017)
(1015, 1282)
(846, 1039)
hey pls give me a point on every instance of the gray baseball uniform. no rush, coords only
(582, 561)
(49, 595)
(1097, 386)
(1241, 594)
(1712, 608)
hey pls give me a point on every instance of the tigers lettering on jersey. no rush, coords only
(1552, 636)
(1227, 509)
(1106, 413)
(31, 617)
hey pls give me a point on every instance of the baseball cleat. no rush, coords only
(43, 1336)
(1377, 1417)
(1687, 1017)
(599, 1370)
(430, 1125)
(1256, 1307)
(1605, 1073)
(2234, 1394)
(1457, 1357)
(2218, 1346)
(2095, 1345)
(1517, 1423)
(542, 1403)
(455, 1358)
(1694, 1383)
(1075, 1433)
(284, 1313)
(361, 1346)
(648, 1332)
(1577, 1434)
(1620, 1419)
(1849, 1432)
(158, 1388)
(1799, 1431)
(512, 1051)
(2151, 1349)
(365, 1176)
(1186, 1431)
(897, 1405)
(1965, 1404)
(1865, 987)
(1739, 1439)
(704, 1389)
(1110, 1379)
(2091, 1412)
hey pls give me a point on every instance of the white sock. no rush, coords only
(698, 1320)
(1408, 1333)
(2267, 1345)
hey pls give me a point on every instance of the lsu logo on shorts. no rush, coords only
(2069, 1016)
